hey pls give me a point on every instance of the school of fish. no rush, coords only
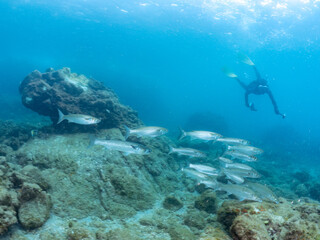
(232, 177)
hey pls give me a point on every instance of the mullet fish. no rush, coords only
(187, 152)
(201, 135)
(233, 141)
(246, 149)
(78, 118)
(121, 146)
(145, 131)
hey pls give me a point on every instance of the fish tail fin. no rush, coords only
(223, 164)
(92, 141)
(61, 116)
(127, 132)
(171, 150)
(182, 134)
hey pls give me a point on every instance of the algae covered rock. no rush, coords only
(315, 191)
(179, 232)
(172, 203)
(195, 219)
(248, 228)
(214, 233)
(7, 218)
(46, 92)
(207, 201)
(35, 176)
(35, 208)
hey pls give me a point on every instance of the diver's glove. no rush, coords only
(251, 106)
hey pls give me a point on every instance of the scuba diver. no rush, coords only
(257, 87)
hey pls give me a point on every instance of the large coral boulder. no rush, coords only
(46, 92)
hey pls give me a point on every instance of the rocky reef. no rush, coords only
(57, 187)
(61, 89)
(23, 197)
(267, 221)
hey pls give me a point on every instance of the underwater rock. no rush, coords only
(7, 218)
(228, 211)
(35, 175)
(315, 191)
(285, 220)
(207, 201)
(115, 185)
(301, 190)
(8, 197)
(46, 92)
(12, 136)
(5, 150)
(214, 233)
(172, 203)
(248, 228)
(35, 208)
(178, 232)
(302, 176)
(195, 219)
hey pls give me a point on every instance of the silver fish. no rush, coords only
(194, 174)
(78, 118)
(246, 149)
(237, 165)
(204, 169)
(213, 184)
(202, 135)
(243, 172)
(187, 152)
(121, 146)
(263, 192)
(233, 177)
(233, 141)
(241, 156)
(225, 160)
(146, 131)
(241, 192)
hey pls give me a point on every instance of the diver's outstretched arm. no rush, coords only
(275, 106)
(257, 72)
(249, 105)
(242, 84)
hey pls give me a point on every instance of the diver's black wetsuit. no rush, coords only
(258, 87)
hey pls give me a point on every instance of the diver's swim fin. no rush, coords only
(228, 72)
(245, 59)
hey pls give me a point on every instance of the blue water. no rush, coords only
(164, 59)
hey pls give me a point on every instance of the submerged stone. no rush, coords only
(7, 218)
(195, 219)
(35, 212)
(172, 203)
(207, 201)
(61, 89)
(248, 228)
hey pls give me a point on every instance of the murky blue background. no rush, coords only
(164, 59)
